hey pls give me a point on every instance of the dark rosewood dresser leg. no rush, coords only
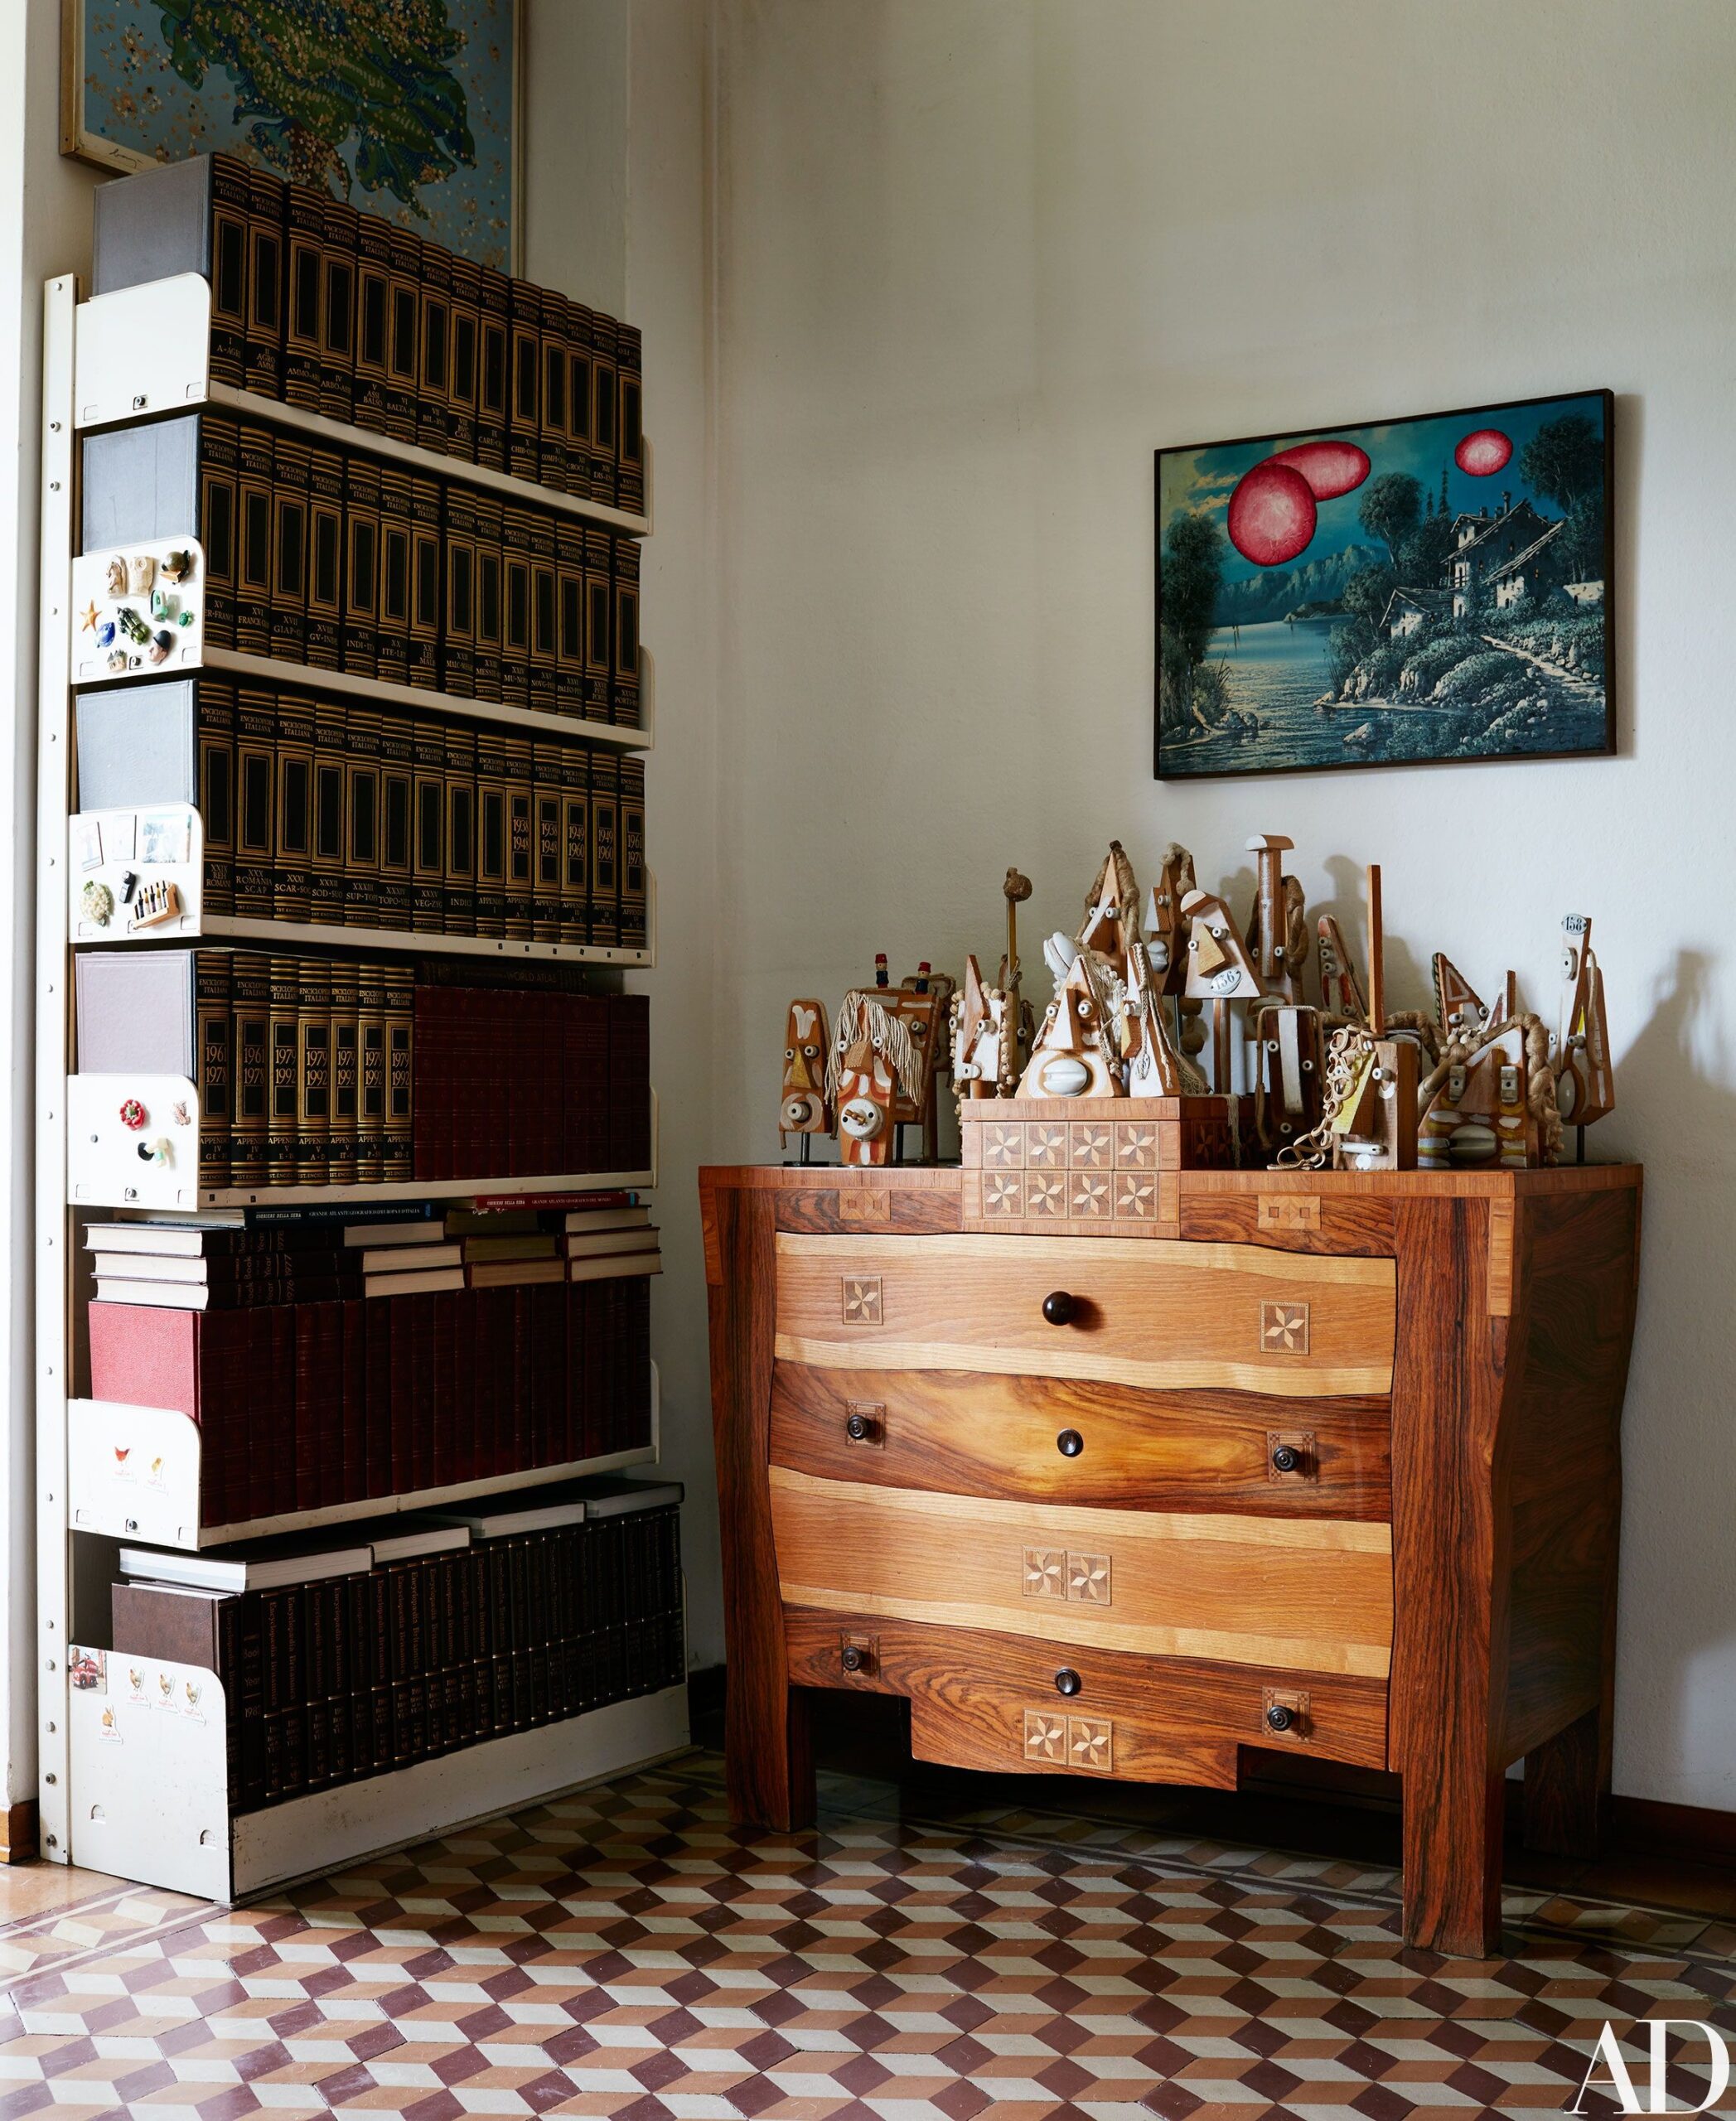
(769, 1760)
(1453, 1861)
(1567, 1789)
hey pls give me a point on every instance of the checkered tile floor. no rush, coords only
(626, 1952)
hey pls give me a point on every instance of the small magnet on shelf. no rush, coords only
(160, 646)
(114, 580)
(141, 573)
(96, 903)
(133, 1113)
(177, 565)
(128, 885)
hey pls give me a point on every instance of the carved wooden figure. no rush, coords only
(1377, 1128)
(1457, 1003)
(1218, 971)
(1073, 1053)
(1341, 991)
(1278, 931)
(1154, 1068)
(983, 1060)
(922, 1004)
(802, 1108)
(1111, 924)
(1287, 1071)
(872, 1058)
(1479, 1116)
(1584, 1084)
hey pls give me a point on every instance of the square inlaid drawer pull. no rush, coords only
(1285, 1713)
(1290, 1455)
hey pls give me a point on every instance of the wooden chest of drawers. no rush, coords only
(1334, 1468)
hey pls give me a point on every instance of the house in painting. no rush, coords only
(1408, 611)
(1482, 542)
(1532, 573)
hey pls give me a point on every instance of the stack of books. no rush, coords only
(359, 319)
(382, 1645)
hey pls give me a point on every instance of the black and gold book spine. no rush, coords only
(400, 989)
(361, 567)
(370, 1123)
(491, 829)
(491, 591)
(545, 802)
(329, 772)
(393, 638)
(256, 793)
(520, 840)
(372, 321)
(624, 705)
(578, 400)
(599, 607)
(461, 418)
(265, 371)
(458, 645)
(459, 911)
(339, 235)
(291, 470)
(292, 837)
(605, 849)
(575, 843)
(629, 429)
(425, 584)
(343, 1151)
(313, 1070)
(525, 312)
(427, 862)
(403, 342)
(305, 237)
(254, 560)
(282, 1139)
(545, 612)
(569, 603)
(605, 404)
(635, 886)
(214, 716)
(397, 809)
(211, 1001)
(361, 806)
(433, 402)
(229, 242)
(250, 1063)
(551, 455)
(325, 628)
(516, 609)
(494, 368)
(219, 454)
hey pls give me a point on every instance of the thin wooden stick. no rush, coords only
(1376, 955)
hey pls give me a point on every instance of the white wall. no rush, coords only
(975, 258)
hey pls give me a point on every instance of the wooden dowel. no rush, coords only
(1376, 955)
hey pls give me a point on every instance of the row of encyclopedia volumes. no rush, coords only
(344, 561)
(302, 1405)
(338, 1070)
(356, 318)
(337, 813)
(351, 1674)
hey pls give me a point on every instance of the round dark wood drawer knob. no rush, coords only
(1057, 1307)
(1286, 1458)
(859, 1427)
(854, 1657)
(1070, 1443)
(1279, 1718)
(1068, 1681)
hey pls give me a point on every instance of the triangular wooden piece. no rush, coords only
(1069, 1059)
(1111, 924)
(1153, 1067)
(1584, 1087)
(1341, 991)
(1165, 923)
(1219, 967)
(802, 1107)
(1457, 1006)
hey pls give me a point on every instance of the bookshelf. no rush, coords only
(149, 1796)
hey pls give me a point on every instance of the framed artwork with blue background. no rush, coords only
(1414, 591)
(409, 109)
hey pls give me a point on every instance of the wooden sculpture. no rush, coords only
(983, 1062)
(1584, 1086)
(1220, 971)
(1074, 1054)
(872, 1058)
(1373, 1123)
(1457, 1004)
(1490, 1107)
(1021, 1017)
(922, 1003)
(802, 1107)
(1278, 935)
(1168, 944)
(1110, 928)
(1154, 1067)
(1341, 991)
(1287, 1071)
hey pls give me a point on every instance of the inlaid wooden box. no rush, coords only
(1100, 1167)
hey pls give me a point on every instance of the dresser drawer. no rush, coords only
(982, 1700)
(1152, 1313)
(1041, 1439)
(1297, 1594)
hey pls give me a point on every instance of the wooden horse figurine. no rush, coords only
(872, 1059)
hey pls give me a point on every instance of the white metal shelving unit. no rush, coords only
(125, 1785)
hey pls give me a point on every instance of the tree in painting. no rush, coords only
(311, 76)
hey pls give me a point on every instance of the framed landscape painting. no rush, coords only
(406, 107)
(1420, 590)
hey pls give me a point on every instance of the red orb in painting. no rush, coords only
(1481, 454)
(1331, 468)
(1272, 514)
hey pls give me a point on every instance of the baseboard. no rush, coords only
(1694, 1833)
(18, 1832)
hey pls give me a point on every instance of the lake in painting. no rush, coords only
(1427, 589)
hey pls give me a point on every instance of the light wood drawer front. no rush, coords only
(1296, 1594)
(1040, 1439)
(1152, 1313)
(990, 1701)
